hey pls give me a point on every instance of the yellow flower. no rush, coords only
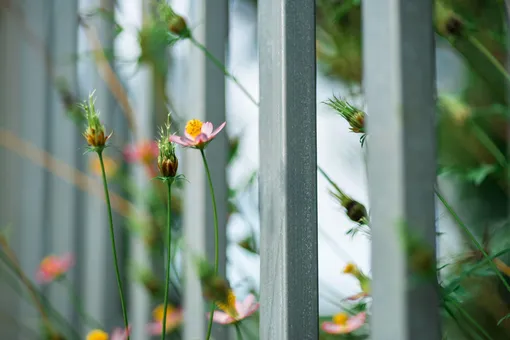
(97, 334)
(340, 318)
(230, 306)
(157, 313)
(351, 268)
(194, 128)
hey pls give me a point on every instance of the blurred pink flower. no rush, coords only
(244, 309)
(174, 319)
(53, 267)
(197, 134)
(145, 152)
(120, 333)
(343, 323)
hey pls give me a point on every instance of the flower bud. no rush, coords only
(95, 132)
(168, 167)
(177, 25)
(167, 160)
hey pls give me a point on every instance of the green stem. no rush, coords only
(169, 254)
(471, 237)
(112, 237)
(490, 57)
(79, 307)
(238, 332)
(469, 318)
(216, 236)
(489, 145)
(222, 67)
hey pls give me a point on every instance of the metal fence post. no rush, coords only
(64, 141)
(400, 89)
(101, 298)
(206, 93)
(288, 177)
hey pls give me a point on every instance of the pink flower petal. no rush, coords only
(130, 154)
(154, 328)
(180, 140)
(218, 130)
(221, 318)
(253, 308)
(351, 325)
(356, 321)
(66, 262)
(207, 128)
(246, 305)
(332, 328)
(120, 334)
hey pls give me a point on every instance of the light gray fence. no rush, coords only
(399, 79)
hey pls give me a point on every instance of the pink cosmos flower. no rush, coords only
(53, 267)
(145, 152)
(343, 323)
(174, 319)
(197, 134)
(120, 333)
(244, 309)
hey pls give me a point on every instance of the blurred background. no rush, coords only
(53, 53)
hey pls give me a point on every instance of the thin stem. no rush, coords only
(112, 237)
(489, 144)
(77, 302)
(169, 254)
(222, 67)
(216, 236)
(238, 332)
(471, 237)
(469, 318)
(489, 56)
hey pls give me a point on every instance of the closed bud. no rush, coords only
(177, 25)
(167, 160)
(94, 133)
(168, 167)
(355, 210)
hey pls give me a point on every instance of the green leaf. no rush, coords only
(478, 175)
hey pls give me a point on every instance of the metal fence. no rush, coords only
(400, 90)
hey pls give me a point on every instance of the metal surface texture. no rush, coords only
(399, 66)
(288, 176)
(206, 93)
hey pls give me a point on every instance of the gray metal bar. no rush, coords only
(140, 300)
(400, 88)
(288, 177)
(65, 139)
(207, 102)
(34, 78)
(101, 298)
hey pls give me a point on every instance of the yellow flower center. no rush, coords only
(194, 127)
(230, 306)
(157, 313)
(340, 319)
(97, 334)
(350, 268)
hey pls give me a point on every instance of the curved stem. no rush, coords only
(238, 332)
(222, 67)
(112, 237)
(169, 255)
(79, 306)
(472, 238)
(216, 236)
